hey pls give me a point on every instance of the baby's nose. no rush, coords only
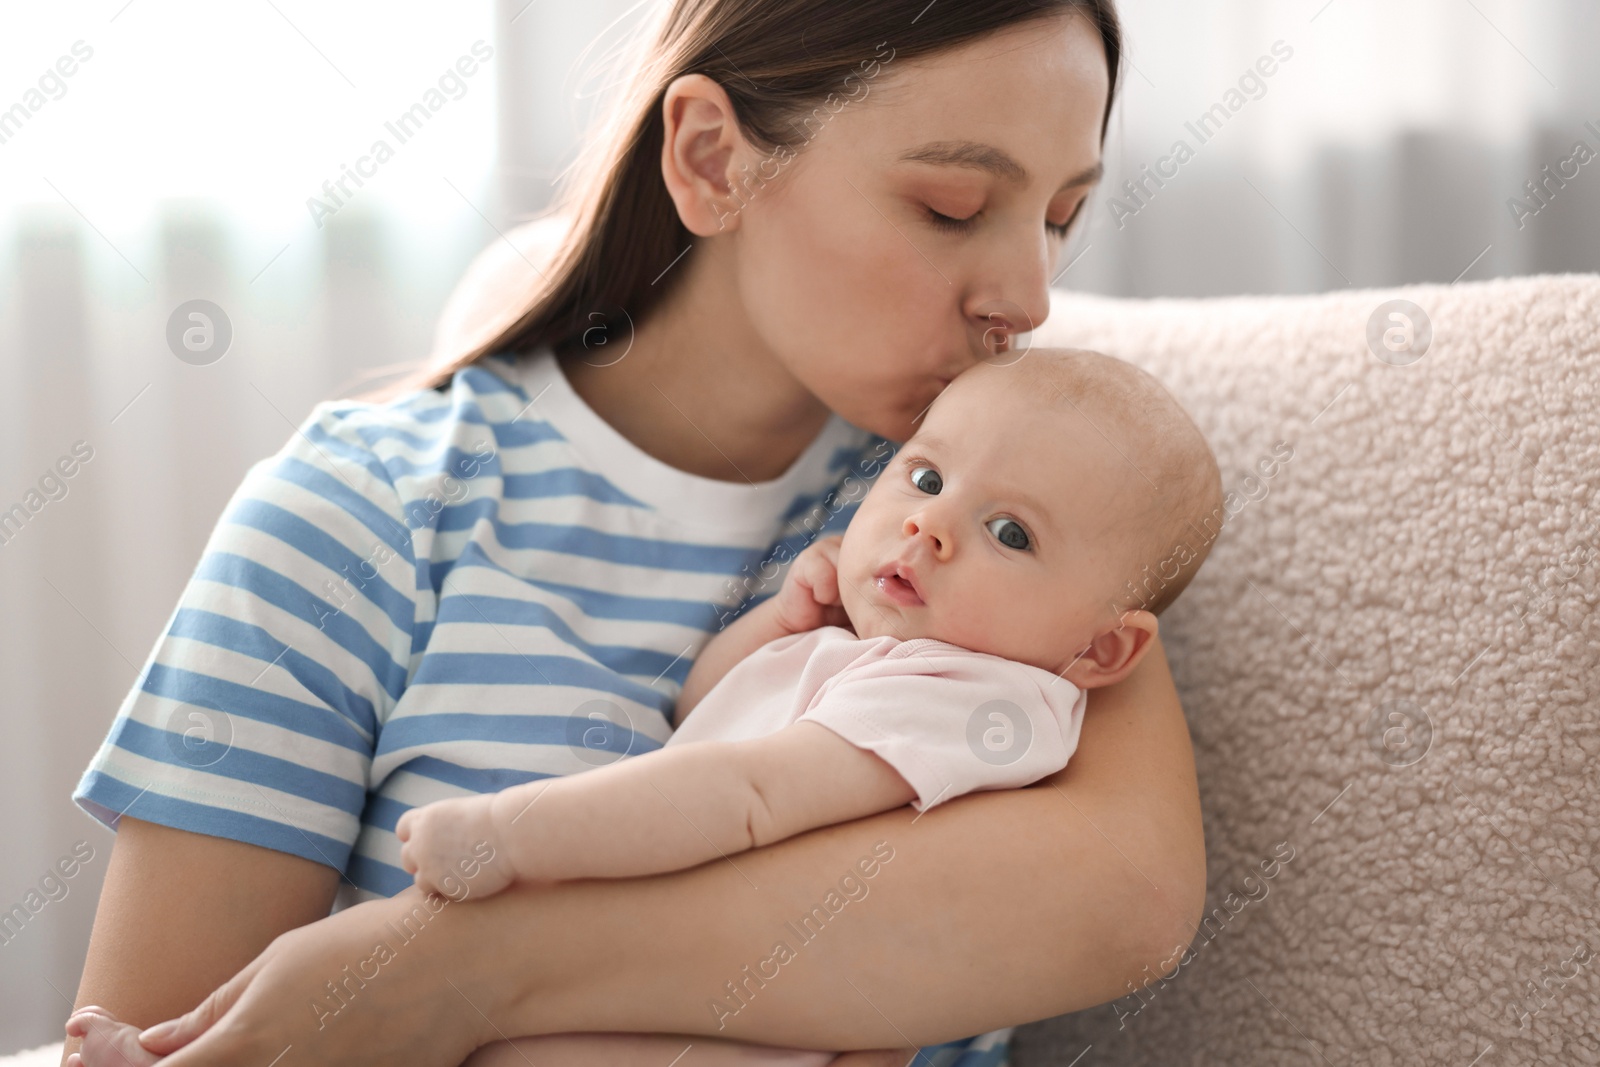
(923, 527)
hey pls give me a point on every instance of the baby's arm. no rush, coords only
(759, 626)
(809, 598)
(663, 811)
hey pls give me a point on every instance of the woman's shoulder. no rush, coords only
(414, 443)
(485, 396)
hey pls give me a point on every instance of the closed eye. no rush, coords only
(953, 225)
(1060, 231)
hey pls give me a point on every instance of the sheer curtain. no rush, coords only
(156, 154)
(322, 175)
(1383, 150)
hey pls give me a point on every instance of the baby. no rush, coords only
(945, 645)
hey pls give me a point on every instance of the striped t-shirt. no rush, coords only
(450, 593)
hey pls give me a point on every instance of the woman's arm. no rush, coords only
(995, 908)
(181, 912)
(1033, 902)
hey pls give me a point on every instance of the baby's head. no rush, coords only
(1016, 519)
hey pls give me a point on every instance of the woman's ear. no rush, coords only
(1114, 653)
(700, 140)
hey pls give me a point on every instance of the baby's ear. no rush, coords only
(1114, 652)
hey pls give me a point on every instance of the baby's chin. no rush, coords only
(869, 624)
(884, 619)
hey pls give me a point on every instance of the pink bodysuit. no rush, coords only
(950, 720)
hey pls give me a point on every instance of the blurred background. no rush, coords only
(180, 158)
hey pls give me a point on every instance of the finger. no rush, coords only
(78, 1022)
(402, 829)
(95, 1008)
(218, 1047)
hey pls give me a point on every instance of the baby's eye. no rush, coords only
(1009, 532)
(927, 479)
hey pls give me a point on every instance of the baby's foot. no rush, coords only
(106, 1041)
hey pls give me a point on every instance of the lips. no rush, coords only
(898, 581)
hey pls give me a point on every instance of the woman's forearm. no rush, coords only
(995, 908)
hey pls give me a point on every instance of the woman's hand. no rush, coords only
(377, 983)
(809, 596)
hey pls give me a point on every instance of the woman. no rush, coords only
(805, 217)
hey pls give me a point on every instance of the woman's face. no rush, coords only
(846, 268)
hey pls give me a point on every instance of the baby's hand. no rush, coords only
(106, 1041)
(809, 597)
(450, 846)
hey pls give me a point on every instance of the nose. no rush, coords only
(1016, 297)
(924, 526)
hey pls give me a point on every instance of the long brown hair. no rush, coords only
(778, 60)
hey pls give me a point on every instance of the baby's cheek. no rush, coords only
(986, 614)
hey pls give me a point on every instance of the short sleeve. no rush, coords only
(952, 721)
(255, 716)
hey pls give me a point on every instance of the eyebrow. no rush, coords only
(988, 158)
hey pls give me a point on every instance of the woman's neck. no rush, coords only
(698, 389)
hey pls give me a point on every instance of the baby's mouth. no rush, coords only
(898, 583)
